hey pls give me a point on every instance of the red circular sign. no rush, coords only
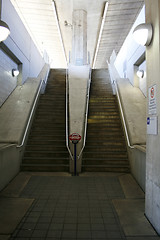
(74, 136)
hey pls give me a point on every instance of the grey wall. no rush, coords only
(134, 107)
(14, 115)
(20, 94)
(153, 141)
(137, 157)
(20, 43)
(7, 81)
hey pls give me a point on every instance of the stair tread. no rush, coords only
(46, 145)
(105, 148)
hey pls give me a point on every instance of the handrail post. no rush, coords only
(75, 159)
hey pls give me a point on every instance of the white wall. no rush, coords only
(153, 141)
(20, 43)
(142, 81)
(7, 81)
(130, 52)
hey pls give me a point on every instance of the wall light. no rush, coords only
(143, 34)
(15, 72)
(140, 73)
(4, 31)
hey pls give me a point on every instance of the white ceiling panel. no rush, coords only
(38, 17)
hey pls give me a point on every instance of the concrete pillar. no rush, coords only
(79, 38)
(152, 207)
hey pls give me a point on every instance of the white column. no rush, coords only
(152, 208)
(79, 38)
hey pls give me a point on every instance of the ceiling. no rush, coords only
(39, 19)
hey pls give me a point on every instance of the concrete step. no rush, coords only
(105, 155)
(45, 167)
(109, 168)
(107, 162)
(46, 154)
(105, 145)
(46, 145)
(46, 160)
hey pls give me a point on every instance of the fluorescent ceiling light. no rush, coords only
(100, 34)
(4, 31)
(143, 34)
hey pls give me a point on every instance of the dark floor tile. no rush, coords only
(42, 226)
(70, 226)
(98, 234)
(31, 219)
(84, 227)
(83, 220)
(83, 234)
(39, 233)
(27, 225)
(54, 234)
(97, 227)
(23, 233)
(46, 219)
(96, 220)
(114, 234)
(70, 220)
(70, 234)
(55, 226)
(57, 220)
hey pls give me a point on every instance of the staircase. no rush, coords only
(45, 149)
(105, 149)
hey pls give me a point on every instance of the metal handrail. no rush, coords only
(86, 116)
(122, 114)
(67, 137)
(31, 114)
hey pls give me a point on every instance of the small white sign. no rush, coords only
(152, 125)
(152, 108)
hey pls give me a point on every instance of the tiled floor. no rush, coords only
(66, 207)
(71, 208)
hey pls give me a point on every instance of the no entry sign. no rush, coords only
(74, 137)
(152, 106)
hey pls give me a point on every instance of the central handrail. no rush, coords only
(67, 137)
(86, 115)
(122, 115)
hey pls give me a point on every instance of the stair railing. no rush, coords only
(67, 116)
(43, 81)
(122, 115)
(86, 115)
(31, 115)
